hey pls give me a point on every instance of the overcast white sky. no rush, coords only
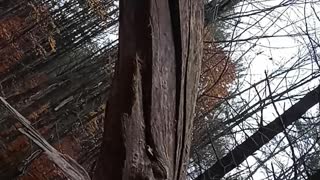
(269, 54)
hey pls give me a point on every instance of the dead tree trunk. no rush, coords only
(147, 130)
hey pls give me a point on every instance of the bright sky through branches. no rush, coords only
(270, 37)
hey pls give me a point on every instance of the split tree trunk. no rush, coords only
(148, 125)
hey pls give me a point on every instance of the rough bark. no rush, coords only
(261, 137)
(148, 125)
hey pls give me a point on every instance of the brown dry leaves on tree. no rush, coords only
(217, 73)
(24, 36)
(28, 33)
(10, 52)
(43, 168)
(99, 7)
(32, 33)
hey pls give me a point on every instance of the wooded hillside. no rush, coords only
(56, 68)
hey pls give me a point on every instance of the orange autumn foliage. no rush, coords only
(22, 35)
(42, 168)
(12, 51)
(217, 73)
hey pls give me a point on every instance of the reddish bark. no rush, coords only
(148, 125)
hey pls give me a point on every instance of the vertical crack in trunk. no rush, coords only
(156, 57)
(176, 28)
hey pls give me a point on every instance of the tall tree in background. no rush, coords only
(57, 67)
(269, 122)
(148, 125)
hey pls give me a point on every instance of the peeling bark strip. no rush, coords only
(148, 125)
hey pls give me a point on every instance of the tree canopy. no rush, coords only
(255, 114)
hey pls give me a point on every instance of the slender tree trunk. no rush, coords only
(148, 125)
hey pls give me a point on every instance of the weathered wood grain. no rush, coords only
(148, 125)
